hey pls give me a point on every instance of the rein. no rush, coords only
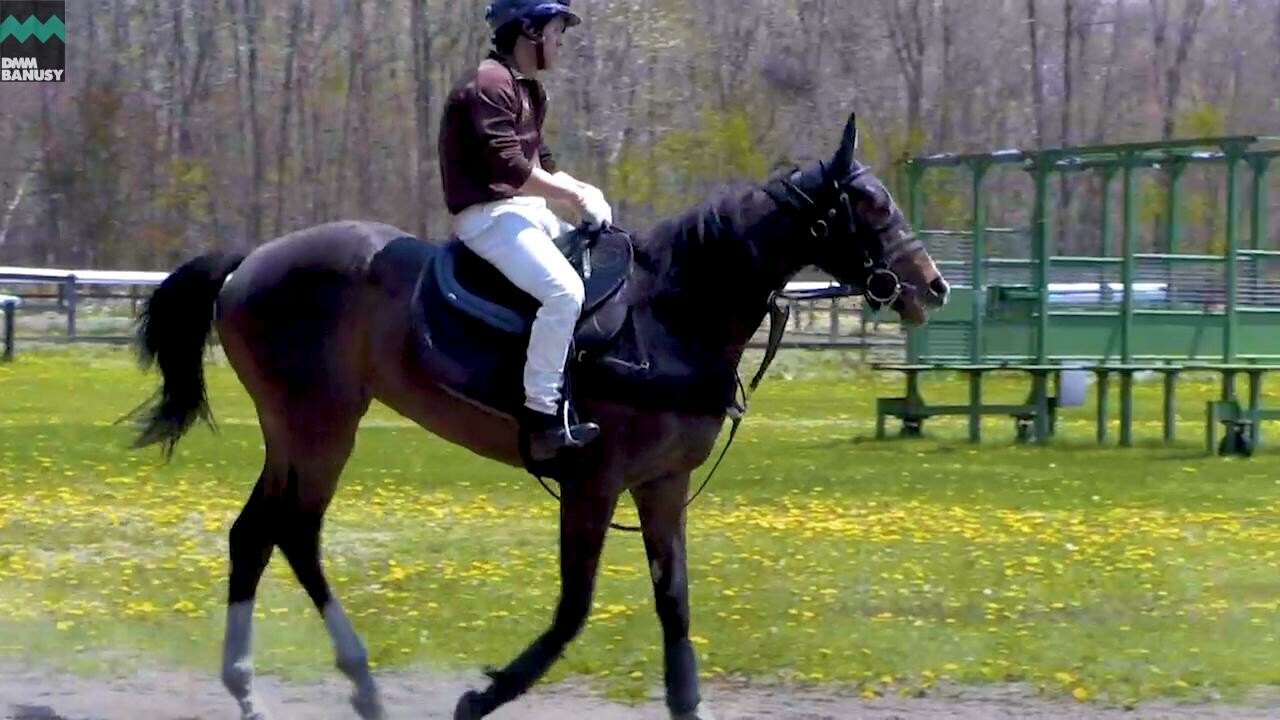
(778, 316)
(880, 287)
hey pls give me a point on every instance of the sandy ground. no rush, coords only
(27, 694)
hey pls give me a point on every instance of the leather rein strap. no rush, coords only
(793, 197)
(779, 315)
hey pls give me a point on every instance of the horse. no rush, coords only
(318, 323)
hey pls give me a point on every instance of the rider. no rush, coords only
(501, 184)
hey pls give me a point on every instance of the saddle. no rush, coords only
(473, 323)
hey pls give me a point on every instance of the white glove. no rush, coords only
(597, 213)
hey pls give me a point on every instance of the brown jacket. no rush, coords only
(491, 134)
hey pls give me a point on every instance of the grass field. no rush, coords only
(817, 555)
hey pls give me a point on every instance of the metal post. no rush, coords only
(1041, 232)
(915, 195)
(1104, 404)
(1233, 249)
(1128, 277)
(1108, 228)
(72, 301)
(975, 406)
(1126, 407)
(1255, 406)
(1176, 169)
(1129, 247)
(978, 272)
(9, 308)
(1258, 238)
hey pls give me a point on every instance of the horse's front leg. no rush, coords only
(661, 504)
(586, 508)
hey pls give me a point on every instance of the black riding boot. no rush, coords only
(543, 436)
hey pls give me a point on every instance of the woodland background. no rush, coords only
(190, 124)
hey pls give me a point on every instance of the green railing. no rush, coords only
(1252, 293)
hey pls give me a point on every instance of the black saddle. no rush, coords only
(476, 288)
(474, 323)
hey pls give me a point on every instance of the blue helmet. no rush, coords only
(502, 12)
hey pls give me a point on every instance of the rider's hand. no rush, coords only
(586, 201)
(596, 211)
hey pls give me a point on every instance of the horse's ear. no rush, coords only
(843, 161)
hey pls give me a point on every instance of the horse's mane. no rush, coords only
(684, 241)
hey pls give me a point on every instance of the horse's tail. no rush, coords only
(173, 330)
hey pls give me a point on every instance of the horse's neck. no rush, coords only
(726, 278)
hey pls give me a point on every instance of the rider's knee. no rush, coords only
(571, 294)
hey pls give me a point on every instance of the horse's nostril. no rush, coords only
(940, 288)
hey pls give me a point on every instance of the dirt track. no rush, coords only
(32, 695)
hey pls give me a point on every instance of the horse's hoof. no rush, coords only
(368, 706)
(702, 712)
(472, 706)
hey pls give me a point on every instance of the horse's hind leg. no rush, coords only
(308, 445)
(320, 453)
(250, 551)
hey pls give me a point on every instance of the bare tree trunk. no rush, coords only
(946, 111)
(355, 60)
(198, 86)
(1275, 74)
(309, 123)
(1065, 229)
(119, 39)
(207, 56)
(1119, 34)
(242, 126)
(1239, 28)
(252, 10)
(364, 118)
(1170, 71)
(1037, 73)
(907, 36)
(282, 142)
(419, 24)
(12, 206)
(174, 149)
(91, 22)
(1173, 78)
(51, 232)
(177, 59)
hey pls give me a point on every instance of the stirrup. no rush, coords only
(544, 437)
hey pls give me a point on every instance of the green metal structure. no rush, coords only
(1210, 307)
(1017, 304)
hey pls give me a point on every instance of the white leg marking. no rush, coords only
(353, 661)
(237, 660)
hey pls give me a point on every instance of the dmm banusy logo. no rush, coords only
(33, 40)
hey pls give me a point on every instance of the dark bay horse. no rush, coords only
(318, 323)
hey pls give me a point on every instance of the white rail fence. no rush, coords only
(815, 324)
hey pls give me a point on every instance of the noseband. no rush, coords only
(880, 285)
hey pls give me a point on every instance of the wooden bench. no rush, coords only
(1035, 419)
(1241, 423)
(9, 306)
(1126, 371)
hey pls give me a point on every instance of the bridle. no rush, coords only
(880, 285)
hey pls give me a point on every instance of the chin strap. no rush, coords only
(542, 54)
